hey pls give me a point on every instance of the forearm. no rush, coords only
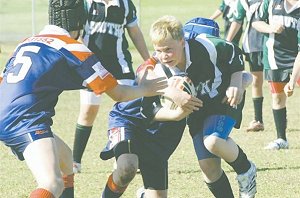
(165, 114)
(234, 28)
(236, 79)
(296, 70)
(216, 14)
(262, 26)
(139, 42)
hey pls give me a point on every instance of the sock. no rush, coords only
(82, 135)
(280, 122)
(41, 193)
(258, 103)
(241, 164)
(112, 190)
(69, 186)
(221, 188)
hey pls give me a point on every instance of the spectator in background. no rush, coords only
(253, 50)
(226, 10)
(279, 21)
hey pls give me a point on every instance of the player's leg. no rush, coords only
(123, 148)
(66, 166)
(214, 177)
(279, 114)
(256, 67)
(155, 181)
(218, 142)
(89, 106)
(42, 159)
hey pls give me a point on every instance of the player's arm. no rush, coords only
(138, 40)
(218, 11)
(146, 87)
(289, 87)
(261, 23)
(238, 17)
(174, 91)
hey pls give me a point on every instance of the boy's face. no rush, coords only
(170, 52)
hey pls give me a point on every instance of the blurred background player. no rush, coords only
(215, 66)
(226, 9)
(253, 50)
(279, 21)
(104, 34)
(40, 69)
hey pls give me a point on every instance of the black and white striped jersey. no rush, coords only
(104, 34)
(210, 63)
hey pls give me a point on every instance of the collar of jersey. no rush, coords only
(53, 29)
(188, 61)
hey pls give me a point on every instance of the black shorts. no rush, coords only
(278, 75)
(214, 107)
(255, 60)
(153, 150)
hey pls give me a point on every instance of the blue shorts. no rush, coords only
(216, 125)
(18, 144)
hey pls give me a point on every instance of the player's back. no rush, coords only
(39, 70)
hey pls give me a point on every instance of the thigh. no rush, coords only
(154, 177)
(200, 149)
(42, 159)
(65, 156)
(255, 61)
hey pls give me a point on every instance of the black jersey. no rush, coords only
(104, 34)
(210, 63)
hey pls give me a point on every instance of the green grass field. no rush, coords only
(278, 171)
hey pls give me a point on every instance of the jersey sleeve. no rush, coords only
(262, 12)
(239, 12)
(89, 68)
(150, 106)
(95, 76)
(222, 6)
(131, 17)
(231, 55)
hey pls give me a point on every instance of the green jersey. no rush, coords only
(280, 50)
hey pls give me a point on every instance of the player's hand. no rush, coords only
(289, 89)
(234, 96)
(153, 86)
(180, 97)
(276, 28)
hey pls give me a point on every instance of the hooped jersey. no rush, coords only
(104, 34)
(252, 39)
(280, 50)
(210, 63)
(39, 70)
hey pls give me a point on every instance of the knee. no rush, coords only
(126, 171)
(211, 143)
(54, 185)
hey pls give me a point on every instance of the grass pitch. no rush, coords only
(278, 171)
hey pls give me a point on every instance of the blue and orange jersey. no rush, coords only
(40, 69)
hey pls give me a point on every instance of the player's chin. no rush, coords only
(170, 64)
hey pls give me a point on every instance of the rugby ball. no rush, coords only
(185, 84)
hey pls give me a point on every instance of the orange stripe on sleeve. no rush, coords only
(81, 55)
(114, 187)
(99, 85)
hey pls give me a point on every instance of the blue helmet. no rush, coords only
(200, 25)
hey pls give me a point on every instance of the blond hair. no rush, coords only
(166, 27)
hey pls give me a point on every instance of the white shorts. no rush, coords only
(88, 97)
